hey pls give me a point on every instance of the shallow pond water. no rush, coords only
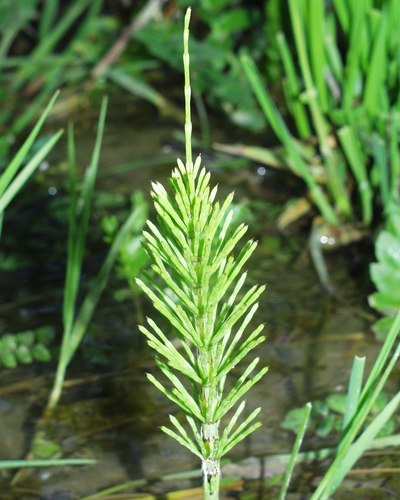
(109, 411)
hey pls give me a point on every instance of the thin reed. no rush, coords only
(346, 98)
(77, 319)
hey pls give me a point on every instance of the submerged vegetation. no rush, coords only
(337, 131)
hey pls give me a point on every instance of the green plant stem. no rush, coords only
(336, 183)
(9, 173)
(59, 378)
(210, 391)
(295, 452)
(293, 88)
(211, 480)
(28, 464)
(187, 90)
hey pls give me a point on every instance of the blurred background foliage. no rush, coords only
(292, 75)
(51, 44)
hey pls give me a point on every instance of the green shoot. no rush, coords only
(16, 174)
(352, 445)
(23, 464)
(192, 249)
(76, 323)
(296, 449)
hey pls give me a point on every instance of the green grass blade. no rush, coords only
(355, 157)
(84, 204)
(53, 37)
(19, 181)
(335, 64)
(20, 464)
(283, 134)
(352, 74)
(376, 73)
(53, 80)
(363, 443)
(383, 355)
(48, 17)
(379, 150)
(74, 265)
(343, 12)
(93, 11)
(370, 392)
(293, 88)
(336, 182)
(315, 37)
(394, 155)
(354, 390)
(78, 220)
(96, 288)
(295, 452)
(20, 156)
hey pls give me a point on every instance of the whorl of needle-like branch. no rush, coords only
(201, 292)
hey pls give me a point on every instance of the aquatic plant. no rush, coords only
(358, 429)
(49, 24)
(76, 322)
(192, 250)
(356, 436)
(385, 273)
(27, 464)
(327, 415)
(18, 171)
(132, 257)
(343, 100)
(26, 347)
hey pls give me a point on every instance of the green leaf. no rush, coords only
(300, 430)
(44, 334)
(337, 402)
(382, 327)
(26, 338)
(386, 280)
(387, 249)
(23, 355)
(41, 353)
(8, 359)
(384, 302)
(293, 419)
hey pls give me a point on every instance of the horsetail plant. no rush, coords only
(192, 253)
